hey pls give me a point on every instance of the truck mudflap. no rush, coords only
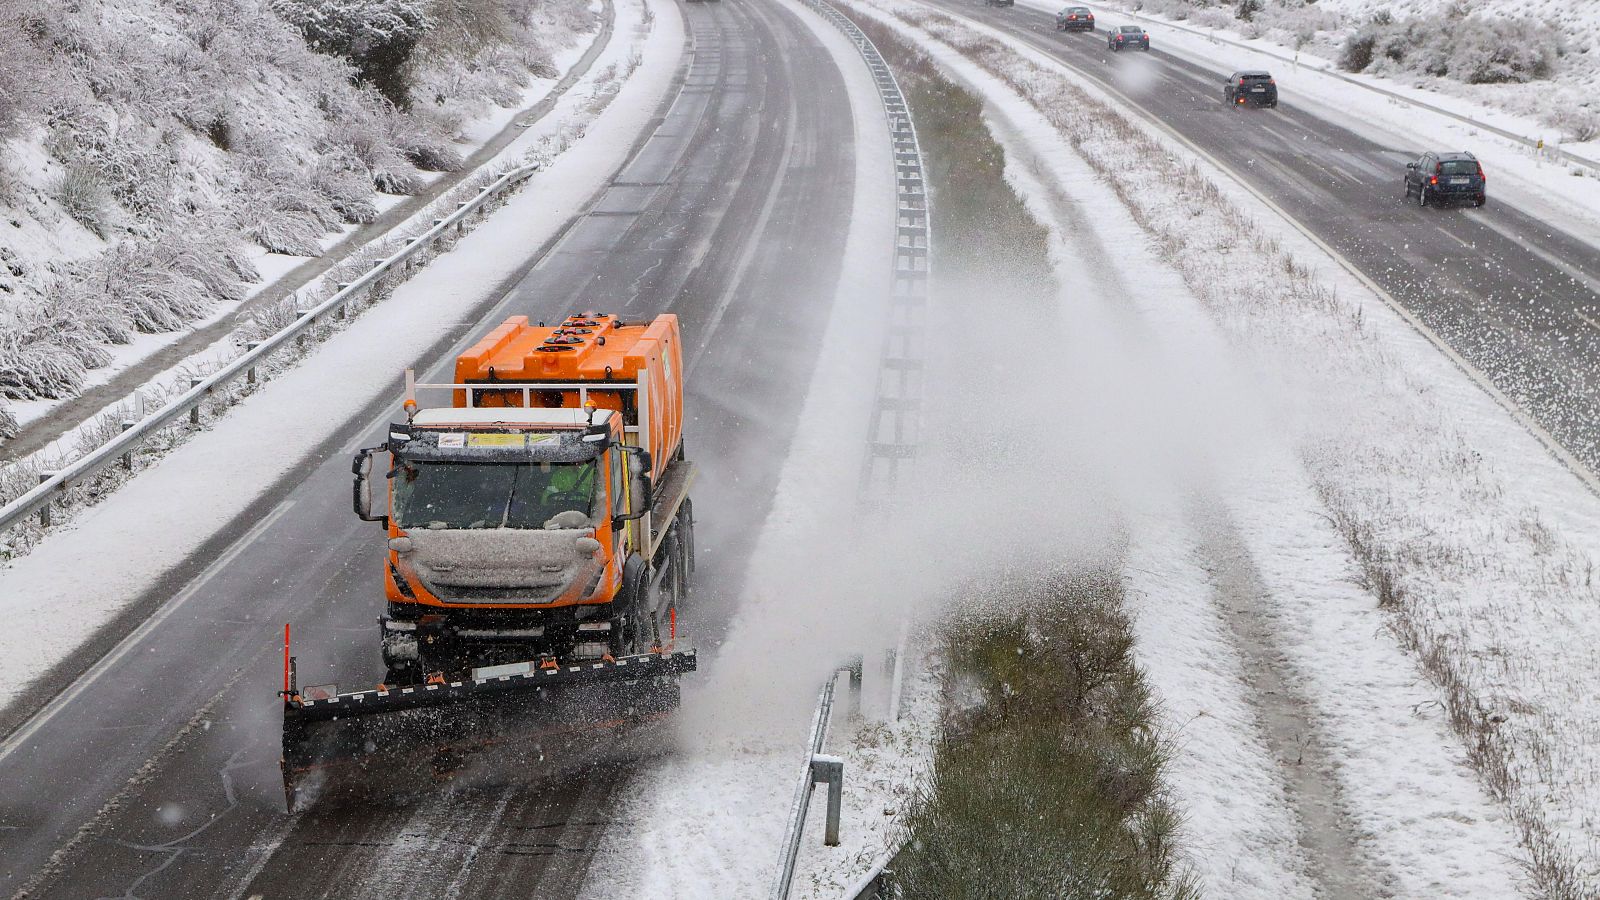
(323, 729)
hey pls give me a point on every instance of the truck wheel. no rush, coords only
(630, 605)
(686, 534)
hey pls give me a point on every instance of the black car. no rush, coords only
(1250, 88)
(1075, 18)
(1128, 36)
(1447, 178)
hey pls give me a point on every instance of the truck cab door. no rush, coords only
(618, 481)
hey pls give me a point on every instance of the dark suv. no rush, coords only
(1250, 88)
(1075, 18)
(1128, 36)
(1447, 178)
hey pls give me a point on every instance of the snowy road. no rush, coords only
(1516, 296)
(160, 780)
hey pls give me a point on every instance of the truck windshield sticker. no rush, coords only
(493, 440)
(456, 440)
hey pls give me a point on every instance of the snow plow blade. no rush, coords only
(498, 704)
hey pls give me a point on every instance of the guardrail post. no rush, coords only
(855, 688)
(194, 411)
(250, 373)
(44, 511)
(300, 339)
(830, 770)
(127, 458)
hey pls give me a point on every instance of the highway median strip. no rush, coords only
(1049, 747)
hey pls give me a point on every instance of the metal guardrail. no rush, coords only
(893, 432)
(818, 768)
(39, 499)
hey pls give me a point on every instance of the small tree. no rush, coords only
(376, 36)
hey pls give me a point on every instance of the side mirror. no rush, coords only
(641, 491)
(1411, 166)
(361, 489)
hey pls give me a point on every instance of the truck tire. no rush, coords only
(631, 607)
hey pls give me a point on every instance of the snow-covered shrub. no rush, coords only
(134, 276)
(38, 369)
(1465, 48)
(20, 87)
(1358, 51)
(347, 184)
(1577, 123)
(47, 349)
(265, 321)
(83, 194)
(377, 36)
(288, 233)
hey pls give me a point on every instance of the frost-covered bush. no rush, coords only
(83, 194)
(482, 52)
(1577, 123)
(47, 349)
(20, 88)
(347, 184)
(135, 277)
(1473, 50)
(377, 36)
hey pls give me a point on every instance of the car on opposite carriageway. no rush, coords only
(1251, 87)
(1075, 18)
(1447, 177)
(1128, 36)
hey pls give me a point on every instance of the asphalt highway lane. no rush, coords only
(162, 781)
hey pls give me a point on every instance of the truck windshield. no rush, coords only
(491, 495)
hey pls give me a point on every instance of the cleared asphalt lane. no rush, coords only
(162, 780)
(1517, 298)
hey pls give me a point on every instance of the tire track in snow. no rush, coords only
(1285, 717)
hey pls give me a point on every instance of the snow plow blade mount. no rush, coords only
(323, 729)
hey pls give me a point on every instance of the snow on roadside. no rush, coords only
(709, 819)
(87, 572)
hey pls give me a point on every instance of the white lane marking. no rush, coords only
(1592, 323)
(99, 669)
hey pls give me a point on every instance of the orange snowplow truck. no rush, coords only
(543, 516)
